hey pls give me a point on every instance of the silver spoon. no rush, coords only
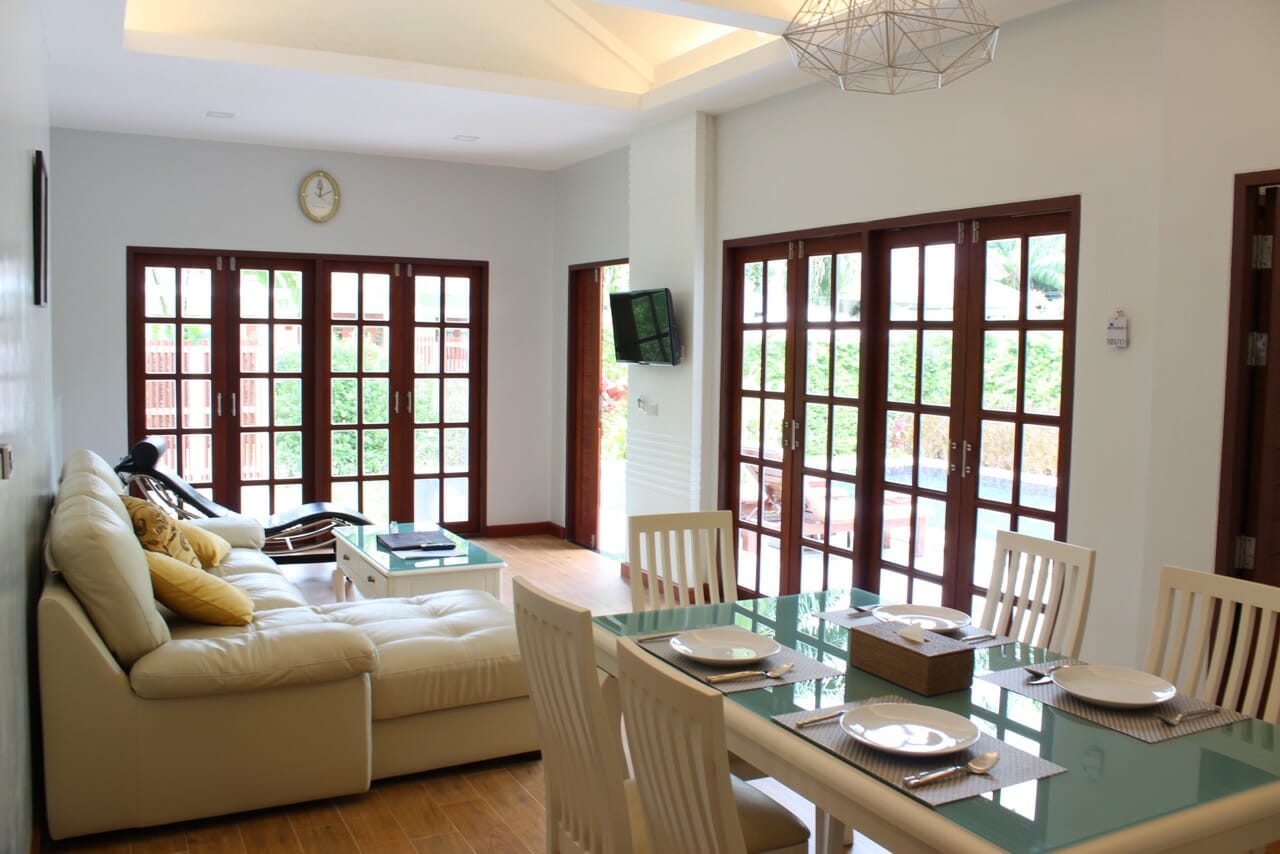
(980, 764)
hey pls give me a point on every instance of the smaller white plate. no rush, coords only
(724, 645)
(932, 618)
(1107, 685)
(909, 729)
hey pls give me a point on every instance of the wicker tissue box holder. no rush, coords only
(938, 665)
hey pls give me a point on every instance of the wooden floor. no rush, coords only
(490, 807)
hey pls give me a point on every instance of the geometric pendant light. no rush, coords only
(891, 46)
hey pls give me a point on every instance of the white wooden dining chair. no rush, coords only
(675, 732)
(1215, 638)
(1039, 592)
(588, 808)
(682, 559)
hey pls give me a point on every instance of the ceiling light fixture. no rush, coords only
(218, 114)
(891, 46)
(464, 138)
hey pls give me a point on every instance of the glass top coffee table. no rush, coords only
(378, 572)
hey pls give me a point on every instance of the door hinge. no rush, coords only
(975, 231)
(233, 263)
(1244, 551)
(219, 263)
(395, 271)
(408, 271)
(801, 249)
(791, 250)
(1256, 355)
(1263, 245)
(960, 234)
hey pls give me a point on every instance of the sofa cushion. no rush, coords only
(197, 595)
(267, 590)
(208, 546)
(254, 659)
(88, 484)
(437, 651)
(98, 554)
(87, 461)
(157, 532)
(241, 531)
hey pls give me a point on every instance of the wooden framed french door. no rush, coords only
(280, 380)
(401, 422)
(896, 393)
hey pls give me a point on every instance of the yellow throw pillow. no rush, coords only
(157, 533)
(197, 595)
(209, 547)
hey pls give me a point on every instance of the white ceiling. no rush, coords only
(540, 83)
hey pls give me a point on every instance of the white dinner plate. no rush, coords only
(909, 729)
(1107, 685)
(724, 645)
(930, 617)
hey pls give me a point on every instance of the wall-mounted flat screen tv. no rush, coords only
(644, 327)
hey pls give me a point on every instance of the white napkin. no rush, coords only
(911, 632)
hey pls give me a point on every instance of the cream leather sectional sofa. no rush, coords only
(150, 719)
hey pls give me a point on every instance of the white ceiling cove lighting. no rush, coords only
(891, 46)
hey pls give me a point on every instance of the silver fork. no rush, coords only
(1043, 673)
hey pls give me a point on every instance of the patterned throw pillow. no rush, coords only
(208, 546)
(157, 533)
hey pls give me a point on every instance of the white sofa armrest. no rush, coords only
(258, 660)
(243, 532)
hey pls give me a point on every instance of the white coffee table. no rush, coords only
(378, 573)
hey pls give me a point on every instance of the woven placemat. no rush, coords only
(1015, 765)
(803, 668)
(847, 618)
(1141, 724)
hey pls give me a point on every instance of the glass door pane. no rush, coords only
(1022, 332)
(917, 269)
(760, 434)
(830, 409)
(181, 400)
(267, 404)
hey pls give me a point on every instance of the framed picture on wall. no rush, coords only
(40, 228)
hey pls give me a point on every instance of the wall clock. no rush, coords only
(319, 196)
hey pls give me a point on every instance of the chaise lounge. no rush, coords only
(151, 718)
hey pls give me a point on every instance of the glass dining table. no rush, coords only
(1213, 790)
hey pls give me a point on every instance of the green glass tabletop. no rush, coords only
(365, 538)
(1112, 780)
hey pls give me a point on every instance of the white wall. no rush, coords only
(113, 191)
(671, 185)
(1144, 108)
(26, 413)
(591, 216)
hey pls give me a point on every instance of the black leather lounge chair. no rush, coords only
(303, 534)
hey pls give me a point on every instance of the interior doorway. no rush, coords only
(1249, 505)
(596, 470)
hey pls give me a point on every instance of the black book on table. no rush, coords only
(429, 540)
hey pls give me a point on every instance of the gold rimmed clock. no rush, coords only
(319, 196)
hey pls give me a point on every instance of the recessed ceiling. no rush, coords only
(537, 83)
